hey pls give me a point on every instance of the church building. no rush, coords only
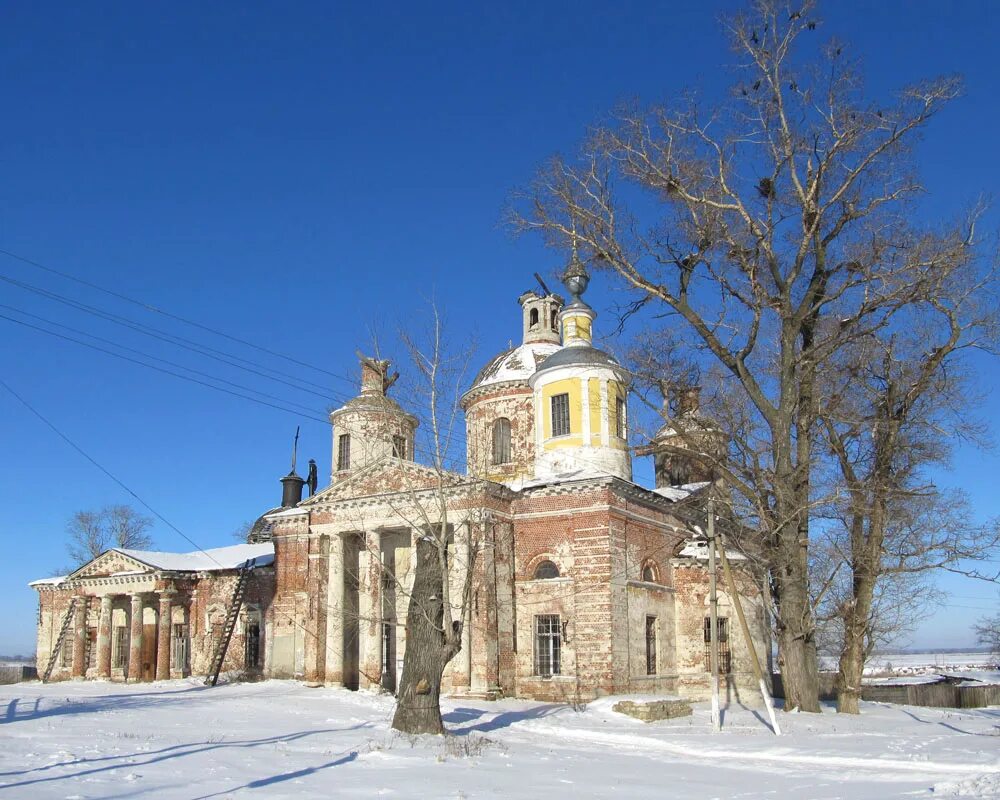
(584, 583)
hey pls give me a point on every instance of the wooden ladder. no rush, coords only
(67, 621)
(222, 645)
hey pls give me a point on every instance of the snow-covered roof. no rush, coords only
(54, 581)
(557, 477)
(676, 493)
(698, 548)
(517, 364)
(213, 560)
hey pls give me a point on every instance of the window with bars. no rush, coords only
(548, 638)
(546, 570)
(501, 441)
(621, 430)
(725, 659)
(344, 451)
(120, 649)
(560, 415)
(399, 446)
(650, 645)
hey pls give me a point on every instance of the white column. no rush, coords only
(335, 614)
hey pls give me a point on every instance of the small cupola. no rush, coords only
(541, 317)
(686, 434)
(577, 318)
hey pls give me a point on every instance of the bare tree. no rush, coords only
(893, 401)
(765, 226)
(444, 561)
(93, 532)
(988, 633)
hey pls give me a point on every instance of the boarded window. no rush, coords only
(621, 431)
(344, 451)
(725, 661)
(546, 570)
(650, 645)
(179, 644)
(399, 446)
(548, 639)
(501, 441)
(560, 415)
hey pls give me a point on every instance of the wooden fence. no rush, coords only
(15, 673)
(933, 695)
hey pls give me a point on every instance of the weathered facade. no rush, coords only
(585, 583)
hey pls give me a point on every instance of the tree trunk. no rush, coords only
(428, 649)
(852, 660)
(797, 651)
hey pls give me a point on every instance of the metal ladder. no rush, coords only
(67, 621)
(222, 645)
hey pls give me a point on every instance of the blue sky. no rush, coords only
(298, 174)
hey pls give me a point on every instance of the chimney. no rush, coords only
(291, 490)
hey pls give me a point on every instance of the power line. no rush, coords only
(102, 468)
(156, 333)
(132, 493)
(161, 369)
(156, 310)
(150, 355)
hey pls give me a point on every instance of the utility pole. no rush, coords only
(713, 617)
(754, 660)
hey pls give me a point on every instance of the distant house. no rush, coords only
(589, 584)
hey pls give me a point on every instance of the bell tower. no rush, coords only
(580, 397)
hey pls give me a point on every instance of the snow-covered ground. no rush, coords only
(280, 739)
(916, 663)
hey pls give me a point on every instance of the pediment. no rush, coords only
(389, 476)
(110, 563)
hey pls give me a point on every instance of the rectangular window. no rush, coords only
(399, 446)
(650, 645)
(344, 451)
(725, 661)
(91, 648)
(560, 415)
(548, 637)
(179, 643)
(120, 649)
(621, 430)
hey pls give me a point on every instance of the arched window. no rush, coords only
(650, 572)
(501, 441)
(554, 319)
(546, 570)
(533, 318)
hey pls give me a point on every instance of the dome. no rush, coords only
(580, 356)
(517, 364)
